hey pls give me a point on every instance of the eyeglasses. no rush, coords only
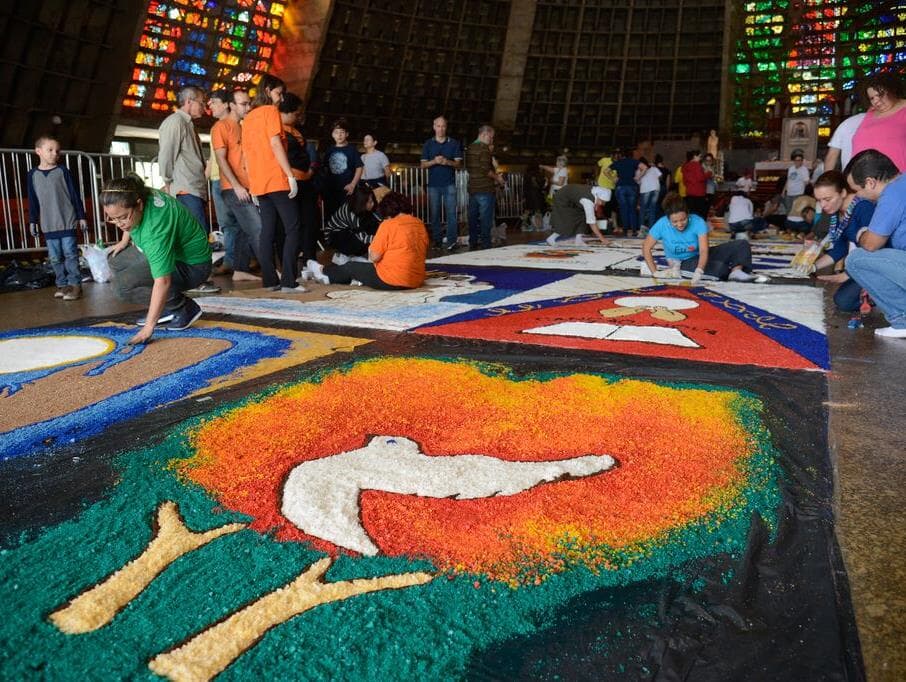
(121, 219)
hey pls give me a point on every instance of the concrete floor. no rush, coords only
(867, 391)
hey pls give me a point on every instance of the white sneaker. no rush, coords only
(580, 240)
(552, 239)
(340, 259)
(317, 272)
(741, 276)
(891, 333)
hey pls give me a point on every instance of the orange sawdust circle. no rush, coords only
(679, 454)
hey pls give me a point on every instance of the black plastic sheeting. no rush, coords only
(785, 615)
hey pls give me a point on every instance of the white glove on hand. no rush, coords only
(804, 268)
(662, 274)
(293, 186)
(34, 229)
(697, 276)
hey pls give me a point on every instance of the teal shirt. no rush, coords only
(168, 234)
(679, 245)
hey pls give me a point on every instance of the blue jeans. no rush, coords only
(629, 216)
(445, 196)
(196, 208)
(64, 258)
(648, 202)
(883, 274)
(248, 221)
(235, 243)
(481, 218)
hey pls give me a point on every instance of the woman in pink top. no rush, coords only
(884, 126)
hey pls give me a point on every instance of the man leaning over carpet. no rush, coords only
(879, 265)
(169, 254)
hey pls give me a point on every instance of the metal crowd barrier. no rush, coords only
(413, 182)
(89, 173)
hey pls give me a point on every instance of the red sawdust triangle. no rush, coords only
(720, 336)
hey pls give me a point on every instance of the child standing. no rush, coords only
(55, 209)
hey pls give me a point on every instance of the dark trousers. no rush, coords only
(363, 272)
(698, 206)
(309, 224)
(847, 296)
(722, 259)
(132, 279)
(272, 206)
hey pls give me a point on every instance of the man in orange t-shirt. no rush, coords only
(397, 254)
(226, 141)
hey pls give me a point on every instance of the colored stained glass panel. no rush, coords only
(203, 43)
(800, 62)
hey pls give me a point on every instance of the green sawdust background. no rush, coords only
(427, 631)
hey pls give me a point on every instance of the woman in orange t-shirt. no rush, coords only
(272, 184)
(396, 255)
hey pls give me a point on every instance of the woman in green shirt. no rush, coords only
(163, 252)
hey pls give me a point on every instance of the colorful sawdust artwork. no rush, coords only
(61, 385)
(703, 324)
(448, 290)
(391, 518)
(589, 258)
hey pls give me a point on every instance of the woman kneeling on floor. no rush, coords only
(396, 255)
(163, 252)
(685, 240)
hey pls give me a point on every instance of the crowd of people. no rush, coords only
(270, 185)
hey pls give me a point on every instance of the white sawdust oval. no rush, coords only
(30, 353)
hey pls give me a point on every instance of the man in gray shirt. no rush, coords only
(181, 158)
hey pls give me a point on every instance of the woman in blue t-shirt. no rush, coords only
(685, 240)
(848, 214)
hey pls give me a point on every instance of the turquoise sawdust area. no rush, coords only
(722, 598)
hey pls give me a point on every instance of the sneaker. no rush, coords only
(163, 319)
(72, 294)
(204, 288)
(450, 248)
(891, 333)
(241, 276)
(317, 272)
(185, 316)
(292, 290)
(60, 292)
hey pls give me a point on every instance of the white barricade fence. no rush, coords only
(89, 173)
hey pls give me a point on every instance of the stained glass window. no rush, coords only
(804, 58)
(201, 42)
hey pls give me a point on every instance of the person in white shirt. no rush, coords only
(840, 147)
(797, 177)
(745, 183)
(559, 175)
(376, 171)
(741, 220)
(649, 189)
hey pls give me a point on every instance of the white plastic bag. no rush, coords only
(97, 263)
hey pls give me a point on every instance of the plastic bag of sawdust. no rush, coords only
(96, 257)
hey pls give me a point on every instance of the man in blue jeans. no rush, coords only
(483, 183)
(879, 265)
(442, 155)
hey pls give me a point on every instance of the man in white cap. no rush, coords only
(574, 208)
